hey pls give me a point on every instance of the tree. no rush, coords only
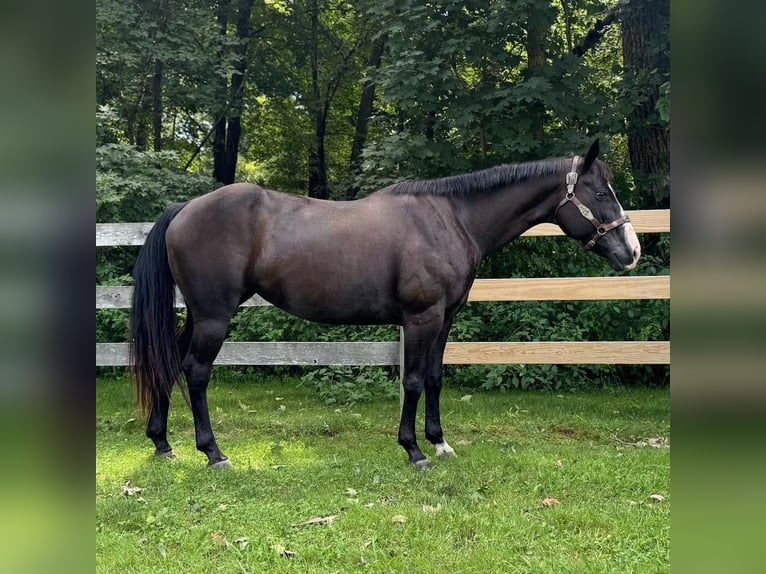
(646, 55)
(157, 70)
(336, 36)
(364, 111)
(539, 19)
(302, 94)
(228, 125)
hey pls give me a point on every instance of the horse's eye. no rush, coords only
(601, 194)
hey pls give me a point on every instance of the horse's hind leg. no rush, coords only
(206, 341)
(157, 425)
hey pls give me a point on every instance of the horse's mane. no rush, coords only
(491, 178)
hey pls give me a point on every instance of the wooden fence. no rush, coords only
(388, 353)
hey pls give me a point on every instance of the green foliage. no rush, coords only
(351, 385)
(183, 36)
(458, 93)
(273, 324)
(456, 90)
(133, 185)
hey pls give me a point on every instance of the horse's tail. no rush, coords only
(155, 357)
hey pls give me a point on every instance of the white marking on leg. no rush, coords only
(443, 449)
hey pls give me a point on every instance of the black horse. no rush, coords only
(405, 255)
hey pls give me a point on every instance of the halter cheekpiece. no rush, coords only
(601, 228)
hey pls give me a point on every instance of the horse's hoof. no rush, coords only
(225, 463)
(423, 464)
(169, 454)
(443, 449)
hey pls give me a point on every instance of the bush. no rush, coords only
(349, 385)
(133, 185)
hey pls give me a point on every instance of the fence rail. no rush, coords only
(542, 289)
(115, 234)
(389, 353)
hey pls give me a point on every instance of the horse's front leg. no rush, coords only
(420, 334)
(433, 388)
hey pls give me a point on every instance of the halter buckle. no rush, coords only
(586, 213)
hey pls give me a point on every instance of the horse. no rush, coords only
(405, 255)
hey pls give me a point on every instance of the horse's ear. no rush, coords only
(590, 157)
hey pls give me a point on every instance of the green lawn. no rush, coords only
(601, 455)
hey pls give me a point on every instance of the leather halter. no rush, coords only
(601, 228)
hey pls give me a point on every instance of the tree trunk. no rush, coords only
(646, 58)
(567, 23)
(157, 77)
(317, 183)
(429, 129)
(363, 115)
(234, 127)
(538, 24)
(142, 123)
(228, 130)
(595, 34)
(219, 132)
(157, 105)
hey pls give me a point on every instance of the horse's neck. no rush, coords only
(495, 218)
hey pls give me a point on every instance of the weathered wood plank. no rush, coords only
(290, 353)
(571, 288)
(278, 353)
(111, 234)
(537, 289)
(644, 221)
(112, 297)
(560, 352)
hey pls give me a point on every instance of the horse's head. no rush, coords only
(590, 213)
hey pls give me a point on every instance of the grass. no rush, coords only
(297, 459)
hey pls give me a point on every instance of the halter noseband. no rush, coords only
(601, 228)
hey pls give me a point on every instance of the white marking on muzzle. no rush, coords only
(632, 239)
(630, 234)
